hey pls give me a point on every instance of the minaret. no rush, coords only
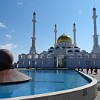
(96, 48)
(74, 31)
(33, 48)
(55, 31)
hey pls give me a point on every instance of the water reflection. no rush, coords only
(5, 91)
(43, 81)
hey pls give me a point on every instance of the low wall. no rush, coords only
(86, 92)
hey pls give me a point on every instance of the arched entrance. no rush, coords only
(60, 61)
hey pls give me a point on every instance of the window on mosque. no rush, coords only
(69, 47)
(79, 62)
(42, 56)
(87, 56)
(50, 51)
(23, 62)
(51, 47)
(75, 47)
(71, 56)
(70, 51)
(35, 56)
(76, 50)
(94, 62)
(63, 47)
(79, 56)
(35, 62)
(57, 47)
(60, 47)
(21, 57)
(29, 63)
(42, 62)
(29, 56)
(93, 55)
(61, 56)
(48, 56)
(83, 51)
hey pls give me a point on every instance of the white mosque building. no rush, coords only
(63, 54)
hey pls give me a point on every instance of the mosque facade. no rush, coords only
(64, 53)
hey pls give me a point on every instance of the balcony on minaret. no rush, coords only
(96, 48)
(33, 47)
(34, 17)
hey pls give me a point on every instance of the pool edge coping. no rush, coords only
(94, 82)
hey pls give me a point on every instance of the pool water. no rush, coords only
(44, 81)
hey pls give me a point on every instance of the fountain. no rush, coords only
(7, 72)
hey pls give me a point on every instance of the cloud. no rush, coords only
(8, 36)
(2, 25)
(80, 12)
(19, 3)
(9, 46)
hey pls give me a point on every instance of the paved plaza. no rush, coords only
(96, 76)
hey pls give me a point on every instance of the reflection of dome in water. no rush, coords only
(64, 38)
(6, 58)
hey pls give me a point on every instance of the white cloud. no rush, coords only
(80, 12)
(9, 46)
(2, 25)
(19, 3)
(8, 36)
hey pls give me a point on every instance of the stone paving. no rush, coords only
(96, 76)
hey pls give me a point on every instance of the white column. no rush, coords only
(94, 21)
(55, 31)
(95, 36)
(33, 48)
(96, 47)
(74, 31)
(34, 37)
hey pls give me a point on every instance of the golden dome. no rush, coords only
(64, 38)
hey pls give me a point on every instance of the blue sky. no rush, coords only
(16, 23)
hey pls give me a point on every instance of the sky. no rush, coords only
(16, 23)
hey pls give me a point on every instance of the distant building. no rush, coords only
(63, 54)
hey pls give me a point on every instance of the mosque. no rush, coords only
(64, 53)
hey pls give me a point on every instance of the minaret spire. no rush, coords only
(33, 48)
(74, 31)
(55, 31)
(94, 20)
(96, 47)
